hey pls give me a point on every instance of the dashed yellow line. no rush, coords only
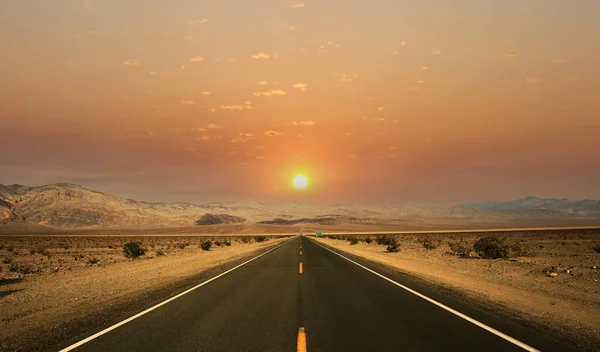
(300, 268)
(301, 340)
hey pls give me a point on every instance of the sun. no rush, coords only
(300, 181)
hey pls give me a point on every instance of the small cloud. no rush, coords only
(392, 147)
(421, 81)
(187, 102)
(299, 135)
(260, 56)
(424, 68)
(272, 133)
(348, 133)
(247, 102)
(196, 59)
(303, 123)
(533, 80)
(510, 53)
(404, 43)
(206, 93)
(197, 22)
(270, 93)
(198, 129)
(300, 86)
(203, 138)
(436, 53)
(131, 63)
(152, 73)
(298, 5)
(213, 126)
(261, 157)
(351, 156)
(182, 67)
(246, 134)
(236, 107)
(263, 82)
(380, 109)
(290, 28)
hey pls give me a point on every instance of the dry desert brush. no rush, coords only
(133, 250)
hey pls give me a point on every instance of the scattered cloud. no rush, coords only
(301, 86)
(380, 109)
(263, 82)
(533, 80)
(273, 133)
(206, 93)
(236, 107)
(152, 73)
(347, 78)
(187, 102)
(196, 59)
(260, 55)
(424, 68)
(270, 93)
(436, 53)
(213, 126)
(198, 129)
(248, 102)
(197, 22)
(297, 5)
(303, 123)
(131, 63)
(203, 138)
(392, 147)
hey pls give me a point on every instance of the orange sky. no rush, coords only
(382, 101)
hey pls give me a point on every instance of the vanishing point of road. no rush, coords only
(301, 296)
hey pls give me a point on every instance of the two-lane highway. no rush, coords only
(301, 296)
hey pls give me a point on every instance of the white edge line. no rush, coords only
(98, 334)
(457, 313)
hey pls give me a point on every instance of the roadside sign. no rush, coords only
(318, 234)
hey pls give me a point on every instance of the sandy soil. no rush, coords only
(567, 303)
(54, 279)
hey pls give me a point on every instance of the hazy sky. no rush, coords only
(380, 101)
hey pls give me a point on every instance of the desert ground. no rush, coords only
(551, 279)
(50, 286)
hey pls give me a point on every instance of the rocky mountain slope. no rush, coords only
(72, 206)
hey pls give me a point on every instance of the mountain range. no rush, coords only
(70, 206)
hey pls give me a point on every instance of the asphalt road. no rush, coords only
(261, 306)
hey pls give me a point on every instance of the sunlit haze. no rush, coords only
(380, 102)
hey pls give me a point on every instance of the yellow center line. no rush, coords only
(300, 268)
(300, 252)
(301, 340)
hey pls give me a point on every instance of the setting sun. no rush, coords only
(300, 182)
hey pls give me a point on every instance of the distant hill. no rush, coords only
(214, 219)
(542, 206)
(69, 206)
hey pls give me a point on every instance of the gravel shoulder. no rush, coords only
(566, 305)
(48, 309)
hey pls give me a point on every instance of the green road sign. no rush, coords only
(318, 234)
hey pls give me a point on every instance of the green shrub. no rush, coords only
(133, 249)
(460, 248)
(245, 239)
(368, 240)
(431, 244)
(160, 253)
(260, 238)
(386, 240)
(218, 243)
(491, 248)
(206, 245)
(228, 243)
(393, 248)
(353, 240)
